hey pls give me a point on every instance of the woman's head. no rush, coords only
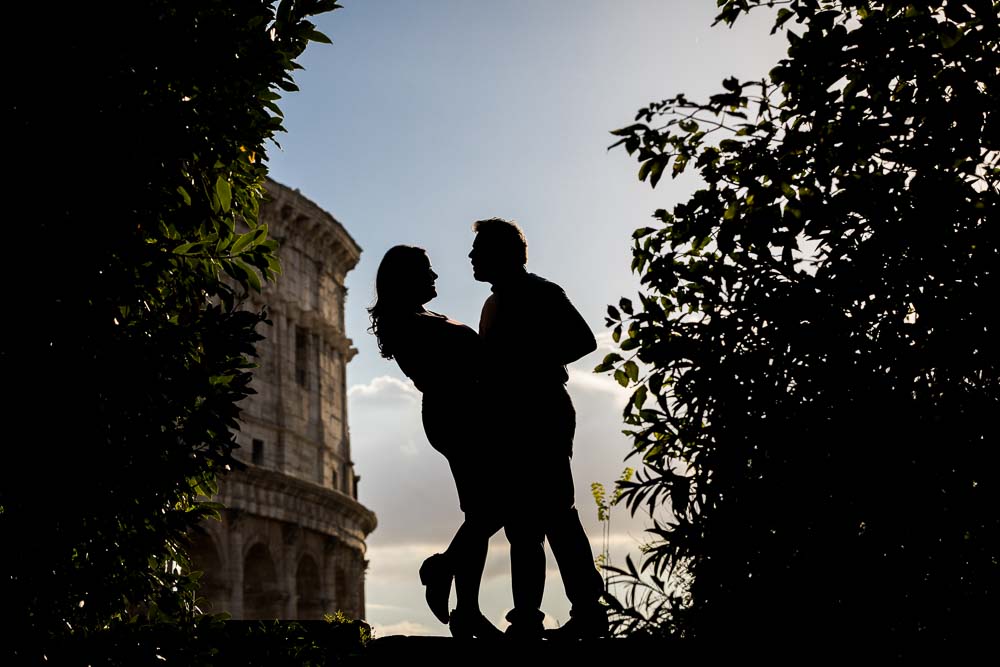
(405, 279)
(404, 283)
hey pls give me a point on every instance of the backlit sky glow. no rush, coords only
(425, 116)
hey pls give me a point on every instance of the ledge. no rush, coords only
(274, 495)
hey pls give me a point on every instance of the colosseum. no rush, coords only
(291, 542)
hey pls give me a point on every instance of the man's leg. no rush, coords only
(567, 537)
(571, 546)
(575, 558)
(527, 574)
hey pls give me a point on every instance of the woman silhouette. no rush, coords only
(442, 357)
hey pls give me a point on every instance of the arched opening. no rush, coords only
(213, 593)
(307, 589)
(261, 594)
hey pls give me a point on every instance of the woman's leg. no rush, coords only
(467, 555)
(467, 552)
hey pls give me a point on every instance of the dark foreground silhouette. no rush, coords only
(505, 421)
(425, 344)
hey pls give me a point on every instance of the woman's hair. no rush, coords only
(393, 292)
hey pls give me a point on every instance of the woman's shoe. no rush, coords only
(472, 625)
(436, 576)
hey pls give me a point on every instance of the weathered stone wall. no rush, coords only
(284, 549)
(291, 543)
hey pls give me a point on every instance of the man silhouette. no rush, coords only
(530, 331)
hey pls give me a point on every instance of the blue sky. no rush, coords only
(425, 116)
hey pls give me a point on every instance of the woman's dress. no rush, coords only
(443, 358)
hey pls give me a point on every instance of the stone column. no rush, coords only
(331, 550)
(281, 362)
(290, 538)
(234, 543)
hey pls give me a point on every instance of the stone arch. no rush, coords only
(261, 591)
(309, 594)
(213, 592)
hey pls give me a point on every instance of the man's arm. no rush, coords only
(488, 315)
(569, 337)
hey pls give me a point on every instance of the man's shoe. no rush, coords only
(526, 627)
(525, 631)
(588, 625)
(465, 625)
(436, 576)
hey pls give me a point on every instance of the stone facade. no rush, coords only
(291, 543)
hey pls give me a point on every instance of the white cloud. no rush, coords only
(605, 343)
(385, 387)
(409, 448)
(410, 628)
(587, 381)
(396, 560)
(374, 606)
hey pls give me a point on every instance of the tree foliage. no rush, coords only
(813, 352)
(208, 641)
(138, 136)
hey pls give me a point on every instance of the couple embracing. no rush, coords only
(495, 405)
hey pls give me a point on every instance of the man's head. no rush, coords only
(499, 250)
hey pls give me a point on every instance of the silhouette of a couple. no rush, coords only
(495, 404)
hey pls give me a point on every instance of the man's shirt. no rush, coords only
(531, 330)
